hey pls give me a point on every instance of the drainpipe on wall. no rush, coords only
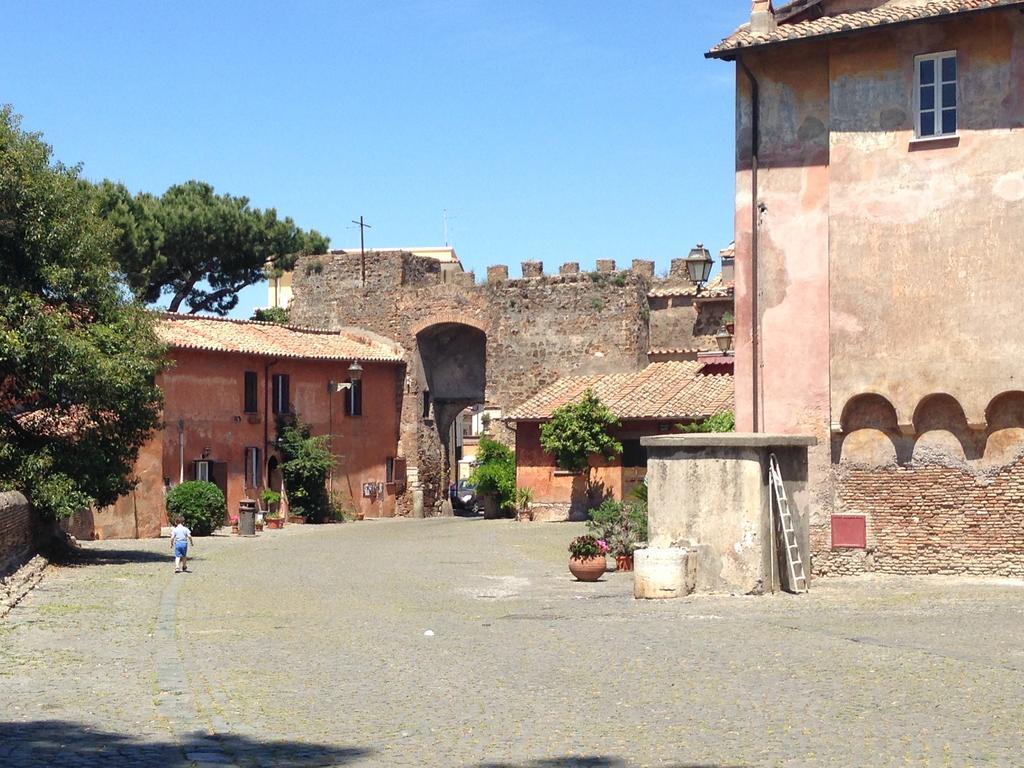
(266, 408)
(181, 451)
(755, 213)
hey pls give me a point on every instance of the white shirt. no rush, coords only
(180, 533)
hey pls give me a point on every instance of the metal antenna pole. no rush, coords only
(363, 226)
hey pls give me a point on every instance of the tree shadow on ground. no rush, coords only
(591, 761)
(61, 743)
(74, 557)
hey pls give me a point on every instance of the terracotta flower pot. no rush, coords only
(587, 568)
(274, 523)
(296, 519)
(623, 562)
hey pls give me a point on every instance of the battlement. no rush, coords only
(391, 269)
(606, 268)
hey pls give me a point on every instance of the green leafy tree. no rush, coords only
(307, 462)
(577, 431)
(198, 247)
(77, 360)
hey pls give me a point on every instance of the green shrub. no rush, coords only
(277, 315)
(720, 422)
(495, 473)
(623, 525)
(200, 503)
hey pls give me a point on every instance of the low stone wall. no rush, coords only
(18, 530)
(929, 519)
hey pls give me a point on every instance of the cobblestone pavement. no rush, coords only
(312, 646)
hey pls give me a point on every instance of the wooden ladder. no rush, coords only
(794, 563)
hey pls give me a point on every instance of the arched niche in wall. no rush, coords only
(1005, 419)
(870, 431)
(942, 431)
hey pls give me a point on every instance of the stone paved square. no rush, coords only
(311, 647)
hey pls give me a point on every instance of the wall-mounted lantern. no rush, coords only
(698, 265)
(355, 371)
(724, 339)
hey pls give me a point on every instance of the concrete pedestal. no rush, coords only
(662, 573)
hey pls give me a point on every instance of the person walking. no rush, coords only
(181, 537)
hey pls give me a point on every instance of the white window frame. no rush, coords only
(939, 106)
(252, 468)
(203, 470)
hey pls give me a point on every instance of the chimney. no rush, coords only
(762, 18)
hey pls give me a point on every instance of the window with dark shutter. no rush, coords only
(279, 394)
(251, 402)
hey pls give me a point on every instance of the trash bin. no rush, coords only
(247, 517)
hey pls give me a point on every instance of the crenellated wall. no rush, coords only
(537, 329)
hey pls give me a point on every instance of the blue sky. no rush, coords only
(561, 131)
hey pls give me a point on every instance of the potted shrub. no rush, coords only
(729, 322)
(495, 478)
(523, 501)
(623, 526)
(586, 557)
(200, 503)
(274, 521)
(270, 499)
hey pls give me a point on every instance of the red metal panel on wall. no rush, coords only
(849, 532)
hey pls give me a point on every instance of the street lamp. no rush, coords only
(698, 265)
(355, 371)
(724, 339)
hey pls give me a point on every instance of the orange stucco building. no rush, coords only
(648, 402)
(228, 382)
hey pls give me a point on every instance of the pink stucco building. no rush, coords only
(879, 202)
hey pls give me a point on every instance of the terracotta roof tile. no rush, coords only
(887, 12)
(665, 390)
(217, 334)
(712, 288)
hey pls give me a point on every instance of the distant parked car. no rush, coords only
(464, 497)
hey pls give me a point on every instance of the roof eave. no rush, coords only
(731, 54)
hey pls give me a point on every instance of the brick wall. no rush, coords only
(18, 530)
(929, 519)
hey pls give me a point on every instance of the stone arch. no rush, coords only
(942, 431)
(1004, 418)
(870, 431)
(450, 318)
(452, 360)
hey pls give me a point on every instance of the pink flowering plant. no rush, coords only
(583, 547)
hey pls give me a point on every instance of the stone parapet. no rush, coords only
(569, 268)
(533, 269)
(643, 267)
(497, 273)
(606, 265)
(679, 270)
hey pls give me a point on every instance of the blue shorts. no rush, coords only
(180, 548)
